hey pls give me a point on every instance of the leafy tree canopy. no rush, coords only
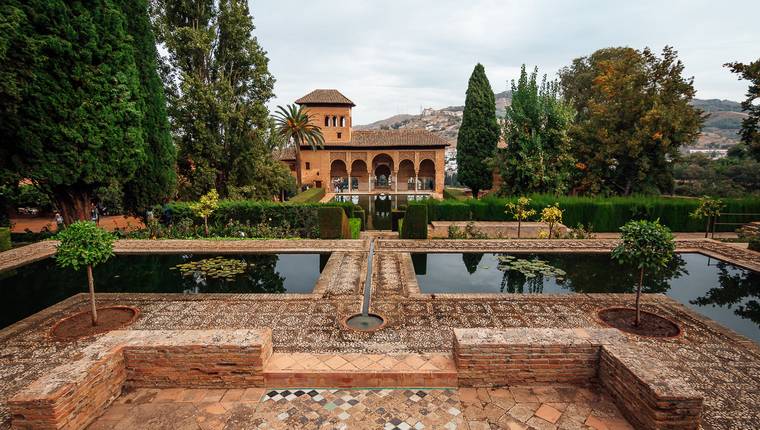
(633, 117)
(70, 98)
(537, 158)
(83, 244)
(646, 245)
(750, 131)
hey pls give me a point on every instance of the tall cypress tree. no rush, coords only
(478, 135)
(73, 122)
(156, 179)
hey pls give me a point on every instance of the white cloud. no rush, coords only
(395, 56)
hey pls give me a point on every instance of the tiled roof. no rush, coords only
(284, 154)
(333, 97)
(403, 137)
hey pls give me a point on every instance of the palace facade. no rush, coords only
(367, 161)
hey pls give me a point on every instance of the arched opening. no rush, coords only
(335, 121)
(426, 175)
(359, 176)
(327, 121)
(406, 175)
(382, 166)
(338, 176)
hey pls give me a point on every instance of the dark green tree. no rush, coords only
(537, 157)
(750, 131)
(478, 134)
(633, 116)
(217, 82)
(156, 179)
(72, 120)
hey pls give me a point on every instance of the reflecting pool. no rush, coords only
(378, 207)
(718, 290)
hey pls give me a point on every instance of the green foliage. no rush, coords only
(415, 222)
(207, 204)
(25, 196)
(396, 216)
(5, 239)
(520, 210)
(358, 212)
(155, 180)
(311, 195)
(734, 176)
(469, 232)
(537, 157)
(478, 134)
(754, 244)
(83, 244)
(454, 194)
(355, 224)
(294, 123)
(70, 98)
(633, 117)
(215, 268)
(646, 245)
(708, 208)
(606, 214)
(217, 84)
(333, 223)
(750, 131)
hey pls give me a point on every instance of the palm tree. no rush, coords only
(294, 123)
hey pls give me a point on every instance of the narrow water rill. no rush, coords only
(366, 321)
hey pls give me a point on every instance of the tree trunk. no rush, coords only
(519, 223)
(91, 286)
(707, 229)
(205, 225)
(74, 204)
(638, 297)
(298, 167)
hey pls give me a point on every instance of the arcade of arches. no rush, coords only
(385, 172)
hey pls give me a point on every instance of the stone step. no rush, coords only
(299, 370)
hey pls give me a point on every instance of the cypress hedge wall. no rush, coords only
(415, 223)
(333, 223)
(5, 238)
(302, 217)
(604, 214)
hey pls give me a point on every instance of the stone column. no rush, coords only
(416, 183)
(349, 182)
(369, 183)
(395, 181)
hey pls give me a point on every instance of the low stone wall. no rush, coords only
(494, 229)
(72, 395)
(650, 398)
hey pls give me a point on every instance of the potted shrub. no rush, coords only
(85, 245)
(649, 247)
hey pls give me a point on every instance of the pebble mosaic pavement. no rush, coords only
(723, 366)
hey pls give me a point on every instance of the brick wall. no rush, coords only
(650, 397)
(72, 395)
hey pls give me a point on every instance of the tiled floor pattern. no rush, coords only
(361, 370)
(547, 407)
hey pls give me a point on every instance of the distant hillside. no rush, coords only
(720, 130)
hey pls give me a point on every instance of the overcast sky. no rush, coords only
(393, 56)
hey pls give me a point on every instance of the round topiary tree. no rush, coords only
(205, 207)
(84, 244)
(647, 245)
(710, 209)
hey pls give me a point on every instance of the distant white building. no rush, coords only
(712, 153)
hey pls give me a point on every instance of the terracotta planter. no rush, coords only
(79, 325)
(663, 323)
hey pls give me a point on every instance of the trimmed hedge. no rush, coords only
(454, 194)
(359, 213)
(754, 244)
(605, 214)
(396, 216)
(333, 223)
(302, 217)
(312, 195)
(5, 238)
(355, 224)
(415, 222)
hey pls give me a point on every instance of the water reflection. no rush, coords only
(739, 288)
(378, 207)
(260, 275)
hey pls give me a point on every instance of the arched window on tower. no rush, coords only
(343, 121)
(335, 121)
(327, 121)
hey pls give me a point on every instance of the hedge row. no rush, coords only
(312, 195)
(302, 217)
(415, 223)
(604, 214)
(5, 238)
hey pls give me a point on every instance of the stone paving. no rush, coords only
(541, 407)
(721, 365)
